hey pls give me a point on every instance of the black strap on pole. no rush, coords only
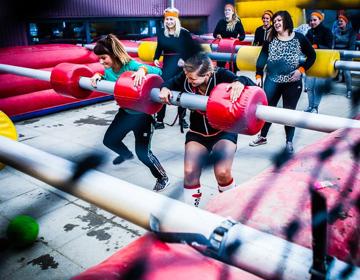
(319, 221)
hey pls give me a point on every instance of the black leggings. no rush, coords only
(141, 125)
(290, 93)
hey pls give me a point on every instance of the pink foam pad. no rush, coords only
(238, 117)
(162, 261)
(65, 77)
(228, 45)
(137, 98)
(273, 199)
(42, 56)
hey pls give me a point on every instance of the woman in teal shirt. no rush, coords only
(113, 56)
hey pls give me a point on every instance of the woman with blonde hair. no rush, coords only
(175, 44)
(229, 27)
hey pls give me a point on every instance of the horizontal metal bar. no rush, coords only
(318, 122)
(347, 65)
(101, 86)
(260, 253)
(198, 102)
(26, 72)
(186, 100)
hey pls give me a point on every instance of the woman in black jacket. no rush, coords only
(174, 43)
(261, 33)
(229, 27)
(321, 38)
(200, 77)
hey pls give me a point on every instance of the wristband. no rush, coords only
(301, 69)
(145, 69)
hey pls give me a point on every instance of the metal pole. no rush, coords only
(311, 121)
(26, 72)
(318, 122)
(260, 253)
(347, 65)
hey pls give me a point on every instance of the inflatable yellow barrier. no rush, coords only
(7, 129)
(324, 64)
(146, 50)
(246, 58)
(256, 8)
(323, 67)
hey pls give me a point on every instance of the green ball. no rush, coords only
(22, 231)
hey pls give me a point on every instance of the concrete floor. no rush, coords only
(75, 235)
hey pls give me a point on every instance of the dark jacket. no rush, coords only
(320, 36)
(344, 39)
(198, 120)
(174, 48)
(238, 31)
(260, 35)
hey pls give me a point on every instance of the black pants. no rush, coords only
(161, 114)
(290, 93)
(141, 125)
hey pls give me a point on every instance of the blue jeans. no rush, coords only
(314, 90)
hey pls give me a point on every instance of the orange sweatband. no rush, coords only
(318, 14)
(171, 14)
(258, 76)
(268, 12)
(344, 18)
(301, 69)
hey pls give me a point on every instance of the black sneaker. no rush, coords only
(258, 141)
(120, 159)
(161, 184)
(159, 125)
(308, 109)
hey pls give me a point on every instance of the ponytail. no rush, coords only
(112, 46)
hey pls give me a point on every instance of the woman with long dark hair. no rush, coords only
(113, 56)
(281, 54)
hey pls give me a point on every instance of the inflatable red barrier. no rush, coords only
(42, 56)
(12, 85)
(44, 102)
(162, 261)
(272, 200)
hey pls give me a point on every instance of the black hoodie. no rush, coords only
(320, 36)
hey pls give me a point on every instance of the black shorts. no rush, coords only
(209, 142)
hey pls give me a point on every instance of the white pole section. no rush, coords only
(318, 122)
(259, 253)
(26, 72)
